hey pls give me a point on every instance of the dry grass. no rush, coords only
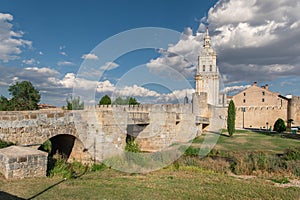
(186, 183)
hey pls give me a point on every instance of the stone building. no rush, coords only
(258, 107)
(207, 77)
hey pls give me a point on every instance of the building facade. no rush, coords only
(207, 77)
(258, 107)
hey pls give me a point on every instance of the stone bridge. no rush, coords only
(100, 132)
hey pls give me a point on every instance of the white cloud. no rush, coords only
(41, 53)
(109, 66)
(90, 56)
(236, 88)
(105, 86)
(11, 42)
(176, 96)
(31, 61)
(63, 53)
(43, 70)
(182, 56)
(136, 91)
(65, 63)
(255, 41)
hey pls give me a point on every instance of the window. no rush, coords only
(210, 68)
(244, 94)
(263, 100)
(244, 100)
(263, 93)
(204, 68)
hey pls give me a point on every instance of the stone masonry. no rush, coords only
(19, 162)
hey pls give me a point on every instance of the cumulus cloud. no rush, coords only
(65, 63)
(235, 89)
(31, 61)
(109, 66)
(11, 42)
(136, 91)
(181, 56)
(256, 39)
(90, 56)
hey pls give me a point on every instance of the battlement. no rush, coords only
(177, 108)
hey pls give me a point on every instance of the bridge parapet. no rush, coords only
(202, 120)
(138, 118)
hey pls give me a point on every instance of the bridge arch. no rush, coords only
(69, 147)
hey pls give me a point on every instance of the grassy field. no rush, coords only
(248, 141)
(191, 179)
(185, 183)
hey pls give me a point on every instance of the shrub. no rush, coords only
(58, 166)
(279, 126)
(98, 167)
(292, 154)
(46, 146)
(4, 144)
(191, 151)
(132, 146)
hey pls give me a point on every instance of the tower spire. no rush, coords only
(206, 39)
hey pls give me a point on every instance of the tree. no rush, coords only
(24, 96)
(279, 126)
(126, 101)
(74, 104)
(231, 118)
(4, 103)
(133, 101)
(105, 100)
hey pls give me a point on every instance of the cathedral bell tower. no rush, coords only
(207, 76)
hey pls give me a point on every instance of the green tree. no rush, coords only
(231, 118)
(279, 126)
(126, 101)
(133, 101)
(105, 100)
(74, 104)
(24, 96)
(4, 103)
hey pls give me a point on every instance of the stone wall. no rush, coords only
(20, 162)
(258, 117)
(101, 131)
(295, 110)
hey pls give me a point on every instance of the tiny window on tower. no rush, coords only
(263, 100)
(204, 68)
(244, 94)
(244, 100)
(210, 68)
(263, 93)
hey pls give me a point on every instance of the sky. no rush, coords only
(91, 47)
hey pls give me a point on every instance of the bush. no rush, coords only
(4, 144)
(46, 146)
(98, 167)
(59, 167)
(279, 126)
(132, 146)
(292, 154)
(191, 151)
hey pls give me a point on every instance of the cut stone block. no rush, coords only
(18, 162)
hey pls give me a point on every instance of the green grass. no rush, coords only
(187, 183)
(248, 141)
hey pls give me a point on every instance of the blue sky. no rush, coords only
(46, 42)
